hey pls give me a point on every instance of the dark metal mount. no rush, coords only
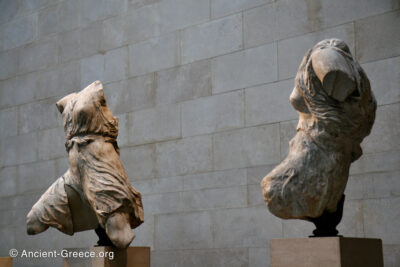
(326, 223)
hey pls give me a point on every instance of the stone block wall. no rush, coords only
(201, 91)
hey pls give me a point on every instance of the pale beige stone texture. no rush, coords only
(336, 110)
(95, 192)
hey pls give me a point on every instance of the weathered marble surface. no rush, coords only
(95, 191)
(336, 109)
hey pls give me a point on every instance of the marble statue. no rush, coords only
(95, 192)
(336, 108)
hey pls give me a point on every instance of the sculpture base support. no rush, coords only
(5, 262)
(326, 251)
(130, 257)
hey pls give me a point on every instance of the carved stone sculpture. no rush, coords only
(336, 109)
(95, 192)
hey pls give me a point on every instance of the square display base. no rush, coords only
(130, 257)
(326, 251)
(5, 262)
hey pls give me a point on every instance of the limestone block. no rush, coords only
(296, 228)
(156, 124)
(6, 96)
(338, 12)
(374, 185)
(299, 17)
(184, 231)
(161, 258)
(386, 132)
(8, 181)
(377, 162)
(47, 21)
(61, 80)
(20, 90)
(38, 56)
(155, 54)
(113, 34)
(8, 9)
(352, 223)
(206, 41)
(245, 68)
(104, 9)
(215, 198)
(8, 240)
(160, 185)
(92, 69)
(236, 257)
(384, 30)
(139, 162)
(145, 232)
(9, 201)
(9, 122)
(391, 255)
(116, 64)
(68, 15)
(133, 94)
(212, 114)
(384, 76)
(255, 174)
(355, 188)
(139, 25)
(189, 155)
(81, 42)
(253, 146)
(163, 203)
(62, 164)
(12, 217)
(9, 63)
(90, 39)
(140, 3)
(19, 149)
(234, 228)
(32, 119)
(378, 212)
(28, 5)
(190, 12)
(185, 82)
(18, 32)
(258, 257)
(27, 182)
(51, 144)
(221, 8)
(295, 18)
(326, 251)
(69, 45)
(269, 103)
(288, 131)
(259, 25)
(292, 50)
(216, 179)
(254, 195)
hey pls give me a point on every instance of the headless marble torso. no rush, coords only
(95, 191)
(336, 111)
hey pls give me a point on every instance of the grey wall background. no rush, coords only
(201, 90)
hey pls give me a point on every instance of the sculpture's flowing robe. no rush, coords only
(336, 111)
(96, 172)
